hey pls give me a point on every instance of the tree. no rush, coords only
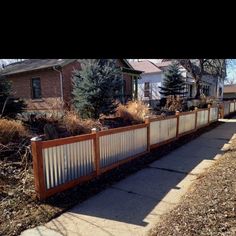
(9, 106)
(96, 87)
(198, 68)
(173, 84)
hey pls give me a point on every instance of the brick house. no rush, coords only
(44, 83)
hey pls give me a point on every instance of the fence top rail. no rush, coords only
(163, 118)
(67, 140)
(121, 129)
(186, 113)
(202, 109)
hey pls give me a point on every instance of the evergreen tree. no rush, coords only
(173, 84)
(9, 106)
(96, 87)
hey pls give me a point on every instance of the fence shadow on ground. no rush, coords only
(133, 198)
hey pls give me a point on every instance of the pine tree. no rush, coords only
(96, 87)
(9, 106)
(173, 83)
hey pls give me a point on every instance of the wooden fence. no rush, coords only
(63, 163)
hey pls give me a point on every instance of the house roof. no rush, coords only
(230, 88)
(36, 64)
(145, 66)
(163, 64)
(33, 64)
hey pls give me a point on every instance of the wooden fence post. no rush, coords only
(195, 117)
(234, 105)
(177, 113)
(222, 111)
(147, 122)
(39, 181)
(96, 151)
(209, 111)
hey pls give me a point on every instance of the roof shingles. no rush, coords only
(145, 66)
(33, 64)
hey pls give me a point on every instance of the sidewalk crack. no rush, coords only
(171, 170)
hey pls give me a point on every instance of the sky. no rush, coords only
(231, 70)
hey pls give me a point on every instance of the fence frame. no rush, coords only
(38, 145)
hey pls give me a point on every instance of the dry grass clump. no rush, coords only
(75, 125)
(174, 103)
(11, 130)
(134, 110)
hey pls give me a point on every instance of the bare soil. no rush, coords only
(209, 208)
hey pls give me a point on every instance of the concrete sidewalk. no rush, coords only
(134, 205)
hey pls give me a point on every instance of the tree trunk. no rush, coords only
(198, 88)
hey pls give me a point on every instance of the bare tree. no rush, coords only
(198, 68)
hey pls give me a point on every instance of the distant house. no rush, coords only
(229, 92)
(154, 74)
(44, 83)
(152, 78)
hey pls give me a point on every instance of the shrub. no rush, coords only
(11, 130)
(134, 110)
(75, 125)
(174, 103)
(9, 106)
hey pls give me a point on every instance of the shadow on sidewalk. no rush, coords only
(133, 199)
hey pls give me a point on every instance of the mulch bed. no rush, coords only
(209, 207)
(19, 208)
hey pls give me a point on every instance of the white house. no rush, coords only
(151, 79)
(153, 76)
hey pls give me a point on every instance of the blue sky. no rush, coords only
(231, 70)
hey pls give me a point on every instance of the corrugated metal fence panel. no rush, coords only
(226, 108)
(162, 130)
(67, 162)
(186, 123)
(119, 146)
(231, 109)
(213, 113)
(202, 118)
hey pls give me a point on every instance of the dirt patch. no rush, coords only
(209, 208)
(19, 208)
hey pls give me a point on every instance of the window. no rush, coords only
(146, 89)
(191, 90)
(220, 91)
(206, 90)
(36, 88)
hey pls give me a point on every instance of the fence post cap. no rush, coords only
(36, 139)
(147, 119)
(177, 113)
(196, 108)
(209, 105)
(94, 130)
